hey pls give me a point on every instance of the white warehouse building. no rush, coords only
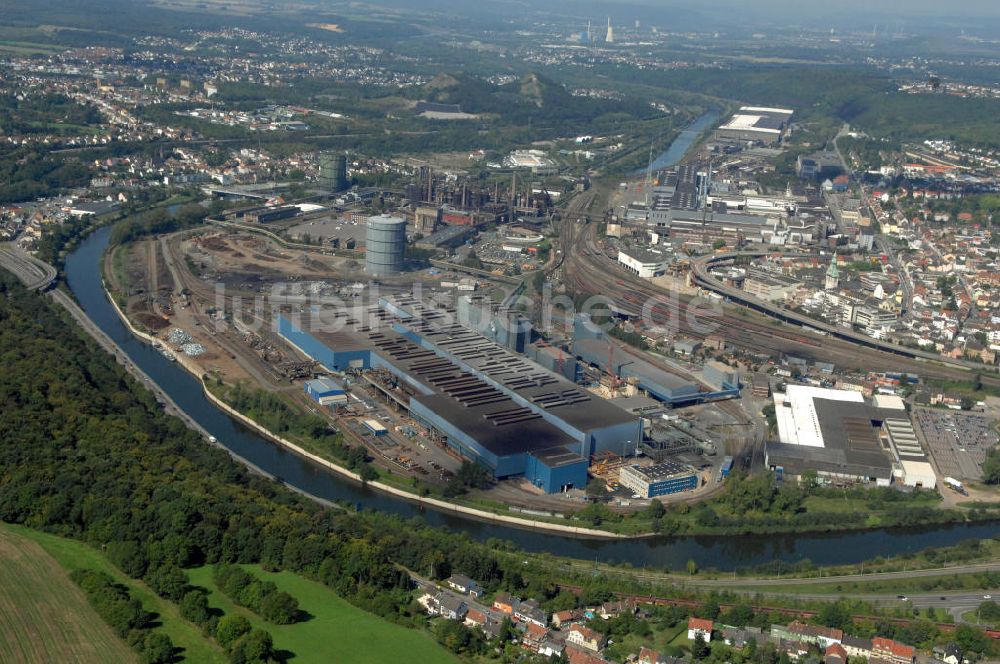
(646, 263)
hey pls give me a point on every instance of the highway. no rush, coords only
(954, 602)
(33, 273)
(957, 604)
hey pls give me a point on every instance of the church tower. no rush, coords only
(832, 275)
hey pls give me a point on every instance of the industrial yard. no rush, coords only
(224, 299)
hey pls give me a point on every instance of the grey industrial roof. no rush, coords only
(447, 233)
(596, 350)
(661, 471)
(516, 438)
(719, 218)
(854, 429)
(324, 383)
(546, 389)
(851, 443)
(646, 255)
(491, 417)
(557, 456)
(485, 414)
(796, 459)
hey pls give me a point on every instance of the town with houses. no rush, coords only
(579, 636)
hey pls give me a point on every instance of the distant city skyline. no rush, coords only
(926, 17)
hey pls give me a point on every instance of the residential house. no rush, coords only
(451, 607)
(562, 618)
(698, 626)
(551, 649)
(464, 584)
(650, 656)
(950, 654)
(487, 622)
(835, 654)
(739, 637)
(582, 636)
(611, 610)
(533, 637)
(581, 656)
(892, 651)
(506, 603)
(793, 648)
(800, 631)
(530, 612)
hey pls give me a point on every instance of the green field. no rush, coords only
(28, 48)
(71, 555)
(334, 631)
(44, 616)
(973, 618)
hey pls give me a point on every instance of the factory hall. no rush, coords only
(485, 401)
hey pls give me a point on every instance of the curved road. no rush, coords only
(33, 273)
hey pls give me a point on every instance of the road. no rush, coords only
(848, 578)
(33, 273)
(955, 603)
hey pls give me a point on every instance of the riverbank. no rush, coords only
(191, 367)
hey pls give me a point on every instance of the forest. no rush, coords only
(45, 114)
(27, 174)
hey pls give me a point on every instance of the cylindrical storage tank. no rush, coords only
(385, 245)
(333, 172)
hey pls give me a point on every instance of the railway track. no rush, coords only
(785, 611)
(587, 269)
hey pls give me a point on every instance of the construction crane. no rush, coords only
(611, 367)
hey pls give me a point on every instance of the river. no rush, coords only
(683, 142)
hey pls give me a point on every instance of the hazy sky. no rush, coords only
(955, 8)
(922, 16)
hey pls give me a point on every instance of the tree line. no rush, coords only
(125, 615)
(261, 597)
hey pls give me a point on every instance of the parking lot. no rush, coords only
(957, 440)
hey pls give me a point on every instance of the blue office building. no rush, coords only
(660, 479)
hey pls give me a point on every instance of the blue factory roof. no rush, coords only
(323, 385)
